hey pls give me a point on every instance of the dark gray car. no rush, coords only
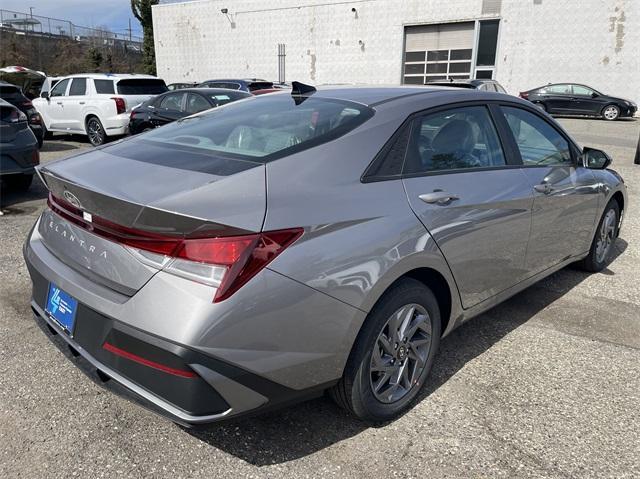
(274, 248)
(18, 148)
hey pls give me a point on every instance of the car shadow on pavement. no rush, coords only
(288, 434)
(49, 146)
(11, 200)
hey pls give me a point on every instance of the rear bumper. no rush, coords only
(19, 157)
(243, 357)
(117, 125)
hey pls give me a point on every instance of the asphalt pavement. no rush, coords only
(544, 385)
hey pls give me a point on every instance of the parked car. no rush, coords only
(576, 99)
(248, 84)
(30, 81)
(13, 94)
(95, 104)
(173, 105)
(180, 86)
(283, 245)
(18, 148)
(478, 84)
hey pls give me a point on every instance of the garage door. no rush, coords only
(436, 52)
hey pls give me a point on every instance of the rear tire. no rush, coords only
(392, 355)
(19, 182)
(95, 131)
(604, 239)
(611, 112)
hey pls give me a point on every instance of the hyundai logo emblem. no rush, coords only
(71, 198)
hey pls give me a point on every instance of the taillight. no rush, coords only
(120, 105)
(35, 157)
(27, 104)
(524, 94)
(224, 262)
(35, 119)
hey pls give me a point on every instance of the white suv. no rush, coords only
(95, 104)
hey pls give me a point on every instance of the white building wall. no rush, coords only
(596, 42)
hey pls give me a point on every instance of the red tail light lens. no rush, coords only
(120, 105)
(27, 104)
(226, 262)
(524, 94)
(35, 119)
(35, 157)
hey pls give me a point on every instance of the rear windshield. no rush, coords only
(260, 85)
(142, 86)
(9, 91)
(258, 129)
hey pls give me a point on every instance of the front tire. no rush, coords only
(604, 239)
(393, 353)
(95, 131)
(611, 112)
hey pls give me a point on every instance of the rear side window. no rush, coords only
(172, 102)
(196, 103)
(540, 144)
(455, 139)
(78, 86)
(260, 129)
(142, 86)
(260, 85)
(104, 86)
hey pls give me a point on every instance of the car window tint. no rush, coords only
(172, 102)
(562, 89)
(388, 163)
(539, 142)
(262, 129)
(78, 87)
(499, 88)
(454, 139)
(104, 86)
(60, 88)
(196, 103)
(141, 86)
(582, 90)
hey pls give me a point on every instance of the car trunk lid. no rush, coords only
(136, 190)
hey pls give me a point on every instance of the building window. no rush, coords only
(446, 51)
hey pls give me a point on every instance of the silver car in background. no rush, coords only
(284, 245)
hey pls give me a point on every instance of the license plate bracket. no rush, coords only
(61, 307)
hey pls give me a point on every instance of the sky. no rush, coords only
(114, 14)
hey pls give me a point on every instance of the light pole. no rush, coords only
(31, 11)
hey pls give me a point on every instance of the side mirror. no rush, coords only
(594, 95)
(595, 159)
(45, 95)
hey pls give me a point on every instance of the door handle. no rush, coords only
(59, 102)
(438, 197)
(545, 188)
(82, 103)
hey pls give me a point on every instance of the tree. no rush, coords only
(142, 11)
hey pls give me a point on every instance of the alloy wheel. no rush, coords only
(400, 353)
(95, 132)
(606, 236)
(611, 112)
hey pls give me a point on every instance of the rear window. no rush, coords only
(9, 91)
(104, 86)
(142, 86)
(260, 85)
(258, 129)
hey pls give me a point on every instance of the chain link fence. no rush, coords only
(36, 25)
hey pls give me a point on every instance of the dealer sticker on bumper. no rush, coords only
(61, 307)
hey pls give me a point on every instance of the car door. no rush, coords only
(169, 108)
(74, 104)
(53, 108)
(565, 193)
(472, 196)
(557, 98)
(587, 101)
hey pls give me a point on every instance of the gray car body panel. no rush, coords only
(297, 320)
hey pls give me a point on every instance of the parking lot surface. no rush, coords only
(544, 385)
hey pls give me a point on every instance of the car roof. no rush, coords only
(205, 90)
(375, 95)
(110, 76)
